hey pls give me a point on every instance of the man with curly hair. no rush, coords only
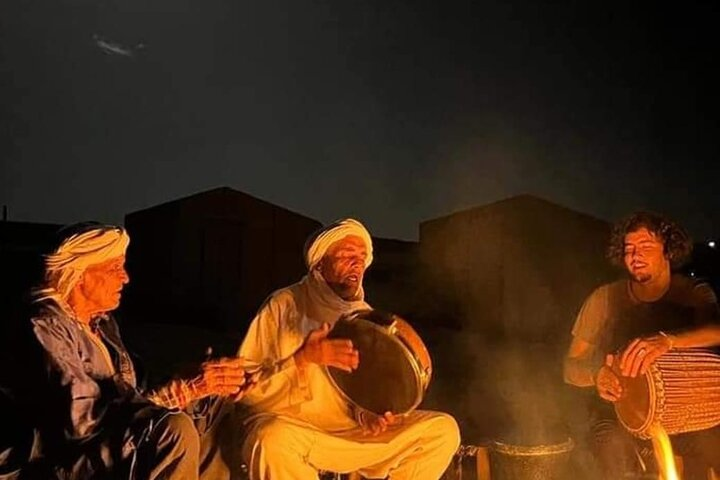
(632, 322)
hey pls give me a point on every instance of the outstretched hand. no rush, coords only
(319, 349)
(225, 377)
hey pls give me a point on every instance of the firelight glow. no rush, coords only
(663, 453)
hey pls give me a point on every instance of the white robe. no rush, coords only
(296, 422)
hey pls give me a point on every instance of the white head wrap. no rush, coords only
(318, 244)
(65, 266)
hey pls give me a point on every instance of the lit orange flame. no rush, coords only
(663, 453)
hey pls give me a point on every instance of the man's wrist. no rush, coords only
(672, 339)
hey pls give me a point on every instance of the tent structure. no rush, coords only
(210, 259)
(518, 268)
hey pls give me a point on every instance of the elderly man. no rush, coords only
(635, 320)
(296, 423)
(90, 420)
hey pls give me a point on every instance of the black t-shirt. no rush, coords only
(612, 317)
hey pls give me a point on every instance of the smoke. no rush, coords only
(507, 281)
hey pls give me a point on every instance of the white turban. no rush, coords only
(65, 266)
(318, 244)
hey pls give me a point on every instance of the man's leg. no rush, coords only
(277, 449)
(614, 449)
(435, 439)
(171, 451)
(420, 448)
(219, 452)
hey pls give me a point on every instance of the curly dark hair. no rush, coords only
(676, 240)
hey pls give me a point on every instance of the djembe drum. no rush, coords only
(680, 391)
(395, 366)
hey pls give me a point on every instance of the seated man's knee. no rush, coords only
(280, 439)
(179, 430)
(277, 436)
(605, 431)
(446, 427)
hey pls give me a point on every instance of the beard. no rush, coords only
(641, 277)
(345, 289)
(346, 292)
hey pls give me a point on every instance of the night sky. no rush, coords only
(393, 112)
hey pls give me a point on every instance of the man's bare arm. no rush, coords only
(705, 336)
(579, 369)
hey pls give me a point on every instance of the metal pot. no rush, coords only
(537, 462)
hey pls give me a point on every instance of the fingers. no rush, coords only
(337, 352)
(227, 377)
(224, 376)
(609, 360)
(346, 364)
(608, 385)
(613, 390)
(633, 356)
(374, 425)
(644, 357)
(339, 344)
(652, 355)
(609, 396)
(624, 358)
(234, 364)
(646, 361)
(380, 426)
(243, 391)
(610, 390)
(224, 388)
(338, 348)
(641, 353)
(636, 362)
(340, 354)
(391, 419)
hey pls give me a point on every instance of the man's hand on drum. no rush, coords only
(338, 352)
(641, 353)
(373, 424)
(607, 382)
(225, 377)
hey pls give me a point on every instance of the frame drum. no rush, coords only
(395, 366)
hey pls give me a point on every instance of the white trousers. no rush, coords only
(280, 448)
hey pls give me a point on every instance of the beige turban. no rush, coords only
(65, 266)
(318, 244)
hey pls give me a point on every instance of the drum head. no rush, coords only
(634, 407)
(387, 379)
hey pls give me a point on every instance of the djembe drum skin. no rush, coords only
(680, 391)
(395, 367)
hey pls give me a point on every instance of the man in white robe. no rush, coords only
(295, 422)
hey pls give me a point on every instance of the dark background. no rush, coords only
(393, 112)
